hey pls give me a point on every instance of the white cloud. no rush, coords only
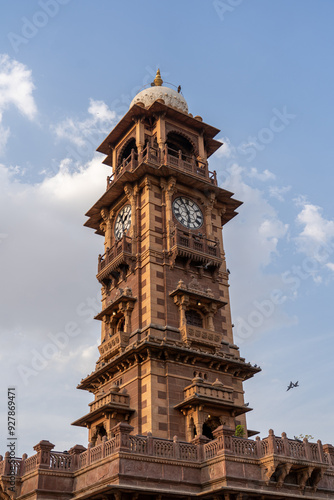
(317, 236)
(16, 89)
(252, 240)
(279, 192)
(100, 120)
(48, 263)
(227, 150)
(266, 175)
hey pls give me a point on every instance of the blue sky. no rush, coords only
(261, 72)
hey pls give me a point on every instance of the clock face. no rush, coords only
(187, 212)
(123, 222)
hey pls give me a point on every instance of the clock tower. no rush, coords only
(167, 361)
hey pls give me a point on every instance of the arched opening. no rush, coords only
(126, 153)
(177, 142)
(209, 426)
(99, 434)
(120, 325)
(194, 318)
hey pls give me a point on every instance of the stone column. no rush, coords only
(161, 132)
(132, 194)
(209, 204)
(107, 226)
(169, 189)
(140, 138)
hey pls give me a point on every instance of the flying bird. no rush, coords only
(292, 385)
(208, 264)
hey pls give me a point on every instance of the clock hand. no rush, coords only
(187, 203)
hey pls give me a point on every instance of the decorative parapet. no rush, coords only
(195, 335)
(278, 457)
(216, 391)
(113, 398)
(168, 157)
(119, 253)
(198, 248)
(115, 344)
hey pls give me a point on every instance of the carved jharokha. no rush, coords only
(167, 387)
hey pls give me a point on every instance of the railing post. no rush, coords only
(104, 439)
(132, 159)
(271, 442)
(307, 449)
(224, 436)
(200, 441)
(6, 470)
(43, 449)
(258, 446)
(180, 158)
(286, 445)
(321, 451)
(329, 449)
(122, 431)
(176, 447)
(90, 445)
(75, 453)
(165, 154)
(149, 443)
(22, 465)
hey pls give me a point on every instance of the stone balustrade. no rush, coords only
(224, 445)
(118, 341)
(209, 391)
(112, 397)
(194, 334)
(158, 158)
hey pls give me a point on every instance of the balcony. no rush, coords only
(114, 399)
(168, 157)
(120, 254)
(197, 248)
(114, 345)
(194, 335)
(203, 391)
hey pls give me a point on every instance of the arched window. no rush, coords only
(194, 318)
(126, 153)
(176, 142)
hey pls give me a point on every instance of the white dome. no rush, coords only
(169, 96)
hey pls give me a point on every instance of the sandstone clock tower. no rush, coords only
(167, 389)
(168, 364)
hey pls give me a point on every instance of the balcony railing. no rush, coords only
(124, 245)
(308, 454)
(196, 243)
(158, 158)
(111, 398)
(196, 335)
(114, 344)
(199, 390)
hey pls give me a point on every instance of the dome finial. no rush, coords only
(158, 80)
